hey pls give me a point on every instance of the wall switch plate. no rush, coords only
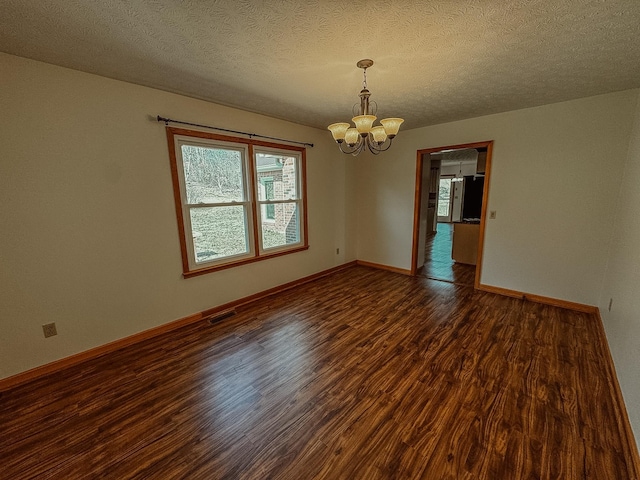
(492, 214)
(49, 330)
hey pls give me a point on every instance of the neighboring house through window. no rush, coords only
(237, 200)
(267, 184)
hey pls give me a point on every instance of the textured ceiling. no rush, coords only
(435, 61)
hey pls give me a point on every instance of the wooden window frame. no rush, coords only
(256, 252)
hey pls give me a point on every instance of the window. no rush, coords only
(237, 200)
(444, 197)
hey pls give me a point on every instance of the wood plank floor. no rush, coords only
(364, 374)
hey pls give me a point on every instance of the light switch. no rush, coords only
(492, 214)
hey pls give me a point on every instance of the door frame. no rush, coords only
(418, 195)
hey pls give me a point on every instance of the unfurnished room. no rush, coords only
(320, 240)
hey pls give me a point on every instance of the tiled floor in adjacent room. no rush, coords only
(438, 262)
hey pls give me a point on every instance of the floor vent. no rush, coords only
(221, 316)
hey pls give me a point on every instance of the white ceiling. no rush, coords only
(435, 61)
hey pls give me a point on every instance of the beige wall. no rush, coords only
(89, 237)
(622, 283)
(556, 170)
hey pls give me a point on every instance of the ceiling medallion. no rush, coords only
(353, 140)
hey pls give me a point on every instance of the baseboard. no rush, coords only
(618, 401)
(66, 362)
(383, 267)
(554, 302)
(500, 291)
(61, 364)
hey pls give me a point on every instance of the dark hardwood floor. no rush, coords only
(438, 262)
(364, 374)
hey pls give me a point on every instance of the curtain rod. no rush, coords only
(167, 121)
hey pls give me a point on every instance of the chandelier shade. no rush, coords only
(339, 130)
(379, 134)
(364, 123)
(391, 125)
(365, 135)
(351, 136)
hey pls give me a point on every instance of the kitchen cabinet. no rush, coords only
(465, 243)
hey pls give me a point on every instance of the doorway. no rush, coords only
(452, 184)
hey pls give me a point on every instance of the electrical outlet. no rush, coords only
(492, 214)
(610, 303)
(49, 330)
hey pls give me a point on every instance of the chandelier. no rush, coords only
(353, 140)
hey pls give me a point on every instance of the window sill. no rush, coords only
(223, 266)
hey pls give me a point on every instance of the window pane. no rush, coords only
(284, 229)
(444, 197)
(281, 171)
(212, 175)
(218, 232)
(270, 213)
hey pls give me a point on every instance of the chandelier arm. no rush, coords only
(348, 152)
(375, 149)
(355, 150)
(388, 146)
(365, 142)
(359, 149)
(373, 107)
